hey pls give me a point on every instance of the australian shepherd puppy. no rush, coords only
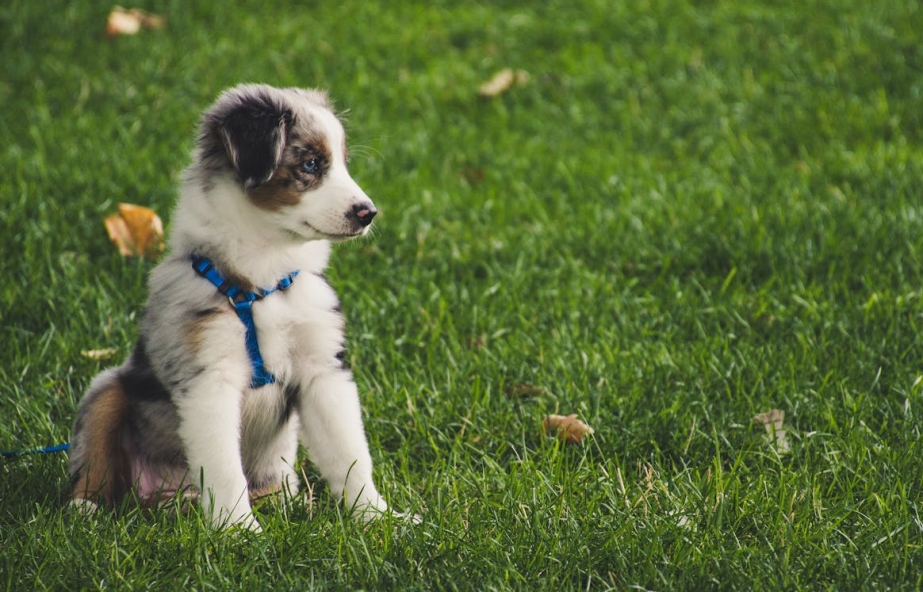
(240, 349)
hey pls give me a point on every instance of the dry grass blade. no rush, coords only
(774, 421)
(526, 391)
(99, 354)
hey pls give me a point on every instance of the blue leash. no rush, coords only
(43, 450)
(243, 305)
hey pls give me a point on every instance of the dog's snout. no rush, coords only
(363, 213)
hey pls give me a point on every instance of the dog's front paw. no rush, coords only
(224, 518)
(369, 507)
(407, 517)
(378, 509)
(371, 514)
(249, 523)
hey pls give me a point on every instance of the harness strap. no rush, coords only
(242, 301)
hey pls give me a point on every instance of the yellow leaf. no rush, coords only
(136, 231)
(567, 427)
(124, 21)
(502, 81)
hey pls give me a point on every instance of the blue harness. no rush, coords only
(243, 305)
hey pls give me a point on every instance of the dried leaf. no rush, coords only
(119, 234)
(477, 342)
(123, 21)
(99, 354)
(473, 175)
(502, 81)
(136, 231)
(567, 427)
(773, 422)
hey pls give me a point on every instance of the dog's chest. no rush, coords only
(299, 327)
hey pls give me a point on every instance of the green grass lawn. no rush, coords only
(693, 212)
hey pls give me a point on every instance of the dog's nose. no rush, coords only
(363, 213)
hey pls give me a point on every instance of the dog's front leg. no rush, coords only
(332, 431)
(210, 430)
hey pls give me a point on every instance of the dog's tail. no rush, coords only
(100, 466)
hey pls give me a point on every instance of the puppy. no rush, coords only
(240, 349)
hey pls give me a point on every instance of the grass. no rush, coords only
(693, 212)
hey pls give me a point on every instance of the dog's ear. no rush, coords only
(254, 138)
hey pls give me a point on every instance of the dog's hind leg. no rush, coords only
(100, 469)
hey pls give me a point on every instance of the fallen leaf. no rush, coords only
(567, 427)
(121, 23)
(502, 81)
(773, 422)
(124, 21)
(472, 175)
(136, 231)
(99, 354)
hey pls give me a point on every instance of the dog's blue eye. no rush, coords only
(311, 166)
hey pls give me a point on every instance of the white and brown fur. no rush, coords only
(267, 192)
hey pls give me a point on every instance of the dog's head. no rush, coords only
(287, 150)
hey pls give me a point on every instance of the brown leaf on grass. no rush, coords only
(473, 175)
(128, 21)
(99, 354)
(503, 81)
(773, 421)
(567, 427)
(136, 231)
(477, 342)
